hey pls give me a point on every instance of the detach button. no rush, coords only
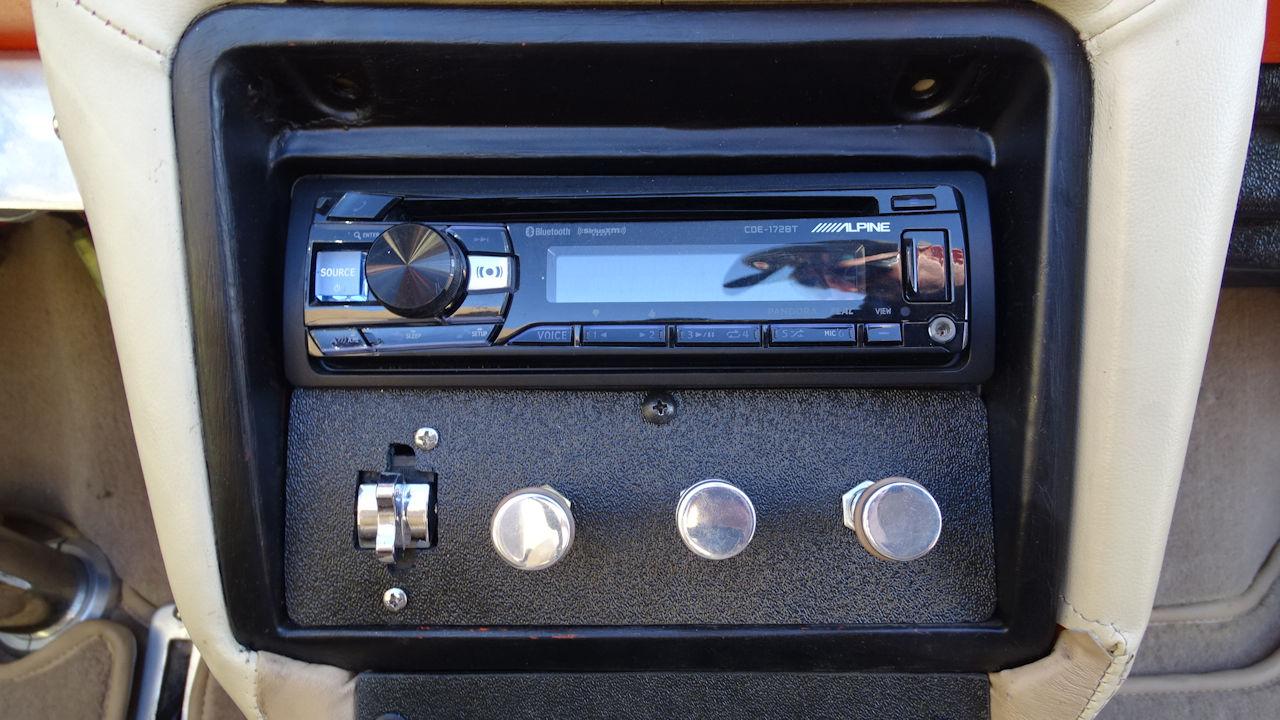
(812, 335)
(361, 206)
(624, 334)
(339, 341)
(409, 338)
(544, 335)
(480, 308)
(488, 272)
(924, 260)
(884, 334)
(482, 238)
(340, 276)
(914, 202)
(717, 334)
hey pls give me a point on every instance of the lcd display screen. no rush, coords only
(833, 270)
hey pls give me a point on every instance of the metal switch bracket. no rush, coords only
(394, 517)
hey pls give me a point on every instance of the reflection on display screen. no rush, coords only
(834, 270)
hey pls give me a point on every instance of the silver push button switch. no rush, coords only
(340, 276)
(532, 528)
(716, 520)
(393, 518)
(490, 272)
(894, 519)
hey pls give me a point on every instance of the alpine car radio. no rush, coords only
(420, 277)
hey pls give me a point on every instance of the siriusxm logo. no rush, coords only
(834, 227)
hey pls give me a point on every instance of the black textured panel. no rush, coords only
(1255, 239)
(661, 696)
(794, 452)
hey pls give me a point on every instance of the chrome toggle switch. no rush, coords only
(394, 517)
(895, 518)
(716, 519)
(532, 528)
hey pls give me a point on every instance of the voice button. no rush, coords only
(544, 335)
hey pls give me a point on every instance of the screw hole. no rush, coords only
(924, 88)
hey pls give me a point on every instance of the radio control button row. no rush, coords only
(717, 335)
(624, 335)
(490, 272)
(482, 238)
(883, 334)
(544, 335)
(339, 341)
(824, 334)
(410, 338)
(486, 307)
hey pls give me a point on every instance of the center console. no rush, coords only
(683, 344)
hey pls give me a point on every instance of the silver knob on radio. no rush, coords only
(532, 528)
(716, 519)
(895, 518)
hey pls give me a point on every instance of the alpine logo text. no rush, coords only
(834, 227)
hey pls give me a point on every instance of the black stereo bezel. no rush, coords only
(623, 367)
(264, 95)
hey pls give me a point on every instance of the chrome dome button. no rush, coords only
(895, 518)
(716, 519)
(532, 528)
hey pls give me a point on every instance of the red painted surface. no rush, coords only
(1271, 47)
(24, 40)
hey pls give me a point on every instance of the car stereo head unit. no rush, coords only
(877, 279)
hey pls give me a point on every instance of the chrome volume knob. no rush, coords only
(414, 270)
(532, 528)
(894, 519)
(716, 519)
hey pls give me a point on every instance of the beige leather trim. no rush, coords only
(289, 689)
(1058, 687)
(1174, 85)
(1173, 92)
(109, 79)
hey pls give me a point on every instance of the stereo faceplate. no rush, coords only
(447, 277)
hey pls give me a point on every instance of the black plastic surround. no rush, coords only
(265, 96)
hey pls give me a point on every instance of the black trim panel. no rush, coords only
(264, 95)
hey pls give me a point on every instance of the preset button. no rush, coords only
(624, 334)
(717, 334)
(824, 334)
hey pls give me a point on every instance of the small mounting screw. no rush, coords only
(426, 439)
(659, 408)
(394, 600)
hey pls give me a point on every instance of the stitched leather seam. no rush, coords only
(1124, 638)
(111, 25)
(1115, 669)
(1120, 21)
